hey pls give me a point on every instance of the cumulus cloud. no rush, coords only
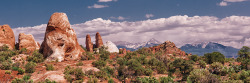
(106, 0)
(232, 31)
(98, 6)
(225, 2)
(149, 15)
(118, 18)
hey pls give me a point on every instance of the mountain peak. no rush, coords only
(154, 41)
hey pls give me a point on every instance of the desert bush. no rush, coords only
(23, 51)
(92, 80)
(194, 58)
(79, 63)
(7, 72)
(73, 74)
(49, 67)
(30, 67)
(47, 81)
(99, 64)
(214, 57)
(244, 52)
(121, 61)
(184, 66)
(87, 56)
(232, 81)
(202, 64)
(146, 80)
(166, 80)
(111, 80)
(216, 68)
(25, 79)
(21, 71)
(101, 75)
(36, 57)
(109, 70)
(202, 76)
(244, 74)
(135, 66)
(148, 72)
(6, 65)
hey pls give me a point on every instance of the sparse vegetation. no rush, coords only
(36, 57)
(49, 67)
(73, 74)
(30, 67)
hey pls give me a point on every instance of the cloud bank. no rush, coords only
(225, 2)
(98, 6)
(232, 31)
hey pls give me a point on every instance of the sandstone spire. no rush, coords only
(98, 40)
(7, 36)
(89, 45)
(28, 42)
(60, 41)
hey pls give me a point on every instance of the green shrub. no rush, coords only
(25, 79)
(7, 72)
(30, 67)
(99, 64)
(101, 75)
(244, 74)
(216, 68)
(202, 64)
(4, 48)
(79, 63)
(111, 81)
(6, 65)
(47, 81)
(36, 57)
(147, 80)
(202, 76)
(73, 74)
(109, 70)
(214, 57)
(87, 56)
(194, 58)
(92, 80)
(21, 71)
(166, 80)
(49, 67)
(148, 72)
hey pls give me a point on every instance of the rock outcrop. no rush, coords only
(89, 45)
(7, 36)
(60, 40)
(27, 41)
(98, 40)
(111, 47)
(169, 48)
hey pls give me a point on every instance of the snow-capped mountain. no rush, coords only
(208, 47)
(135, 46)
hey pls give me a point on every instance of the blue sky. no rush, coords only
(23, 13)
(182, 21)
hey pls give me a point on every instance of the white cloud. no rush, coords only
(232, 31)
(149, 15)
(225, 2)
(106, 0)
(118, 18)
(235, 0)
(98, 6)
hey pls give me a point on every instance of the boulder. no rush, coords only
(27, 41)
(89, 45)
(7, 37)
(111, 47)
(60, 40)
(98, 40)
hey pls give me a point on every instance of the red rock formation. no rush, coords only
(7, 36)
(169, 48)
(60, 41)
(124, 51)
(98, 40)
(89, 45)
(28, 42)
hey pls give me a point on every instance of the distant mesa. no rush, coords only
(7, 36)
(60, 40)
(169, 48)
(27, 41)
(111, 47)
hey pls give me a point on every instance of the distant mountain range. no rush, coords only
(135, 46)
(198, 49)
(208, 47)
